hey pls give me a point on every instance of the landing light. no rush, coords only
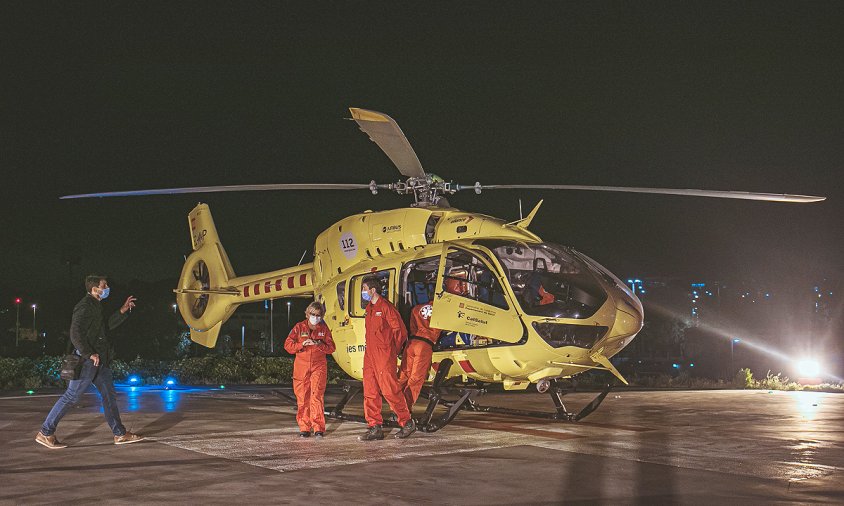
(808, 368)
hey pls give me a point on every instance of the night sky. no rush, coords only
(714, 95)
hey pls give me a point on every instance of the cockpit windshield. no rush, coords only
(548, 279)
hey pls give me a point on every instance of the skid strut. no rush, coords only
(466, 396)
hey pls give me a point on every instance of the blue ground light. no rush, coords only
(169, 398)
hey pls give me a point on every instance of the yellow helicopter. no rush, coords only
(515, 310)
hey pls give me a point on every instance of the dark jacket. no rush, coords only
(89, 329)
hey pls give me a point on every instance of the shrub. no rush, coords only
(777, 382)
(744, 379)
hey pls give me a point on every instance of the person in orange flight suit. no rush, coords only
(545, 297)
(310, 340)
(416, 359)
(385, 335)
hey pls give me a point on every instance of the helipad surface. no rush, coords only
(220, 446)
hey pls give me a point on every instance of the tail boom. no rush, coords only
(209, 292)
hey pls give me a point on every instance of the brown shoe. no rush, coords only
(127, 438)
(49, 441)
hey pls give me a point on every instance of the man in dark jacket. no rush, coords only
(89, 334)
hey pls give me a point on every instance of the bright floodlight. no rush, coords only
(808, 368)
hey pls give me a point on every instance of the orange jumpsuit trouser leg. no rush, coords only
(414, 370)
(317, 400)
(302, 388)
(380, 379)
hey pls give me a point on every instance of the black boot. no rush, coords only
(408, 429)
(372, 434)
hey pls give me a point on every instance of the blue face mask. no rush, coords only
(365, 296)
(104, 293)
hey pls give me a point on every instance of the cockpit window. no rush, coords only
(548, 279)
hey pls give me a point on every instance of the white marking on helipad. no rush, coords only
(282, 449)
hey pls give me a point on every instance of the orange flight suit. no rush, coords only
(310, 373)
(385, 334)
(545, 297)
(416, 360)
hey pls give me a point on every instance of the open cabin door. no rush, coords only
(469, 298)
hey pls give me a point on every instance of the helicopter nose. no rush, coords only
(628, 318)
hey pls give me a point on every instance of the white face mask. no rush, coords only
(314, 319)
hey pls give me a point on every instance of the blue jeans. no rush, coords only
(103, 381)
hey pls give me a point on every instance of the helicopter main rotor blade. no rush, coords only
(229, 188)
(773, 197)
(385, 132)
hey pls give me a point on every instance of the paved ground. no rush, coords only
(218, 446)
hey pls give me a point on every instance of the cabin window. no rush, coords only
(386, 279)
(468, 276)
(341, 295)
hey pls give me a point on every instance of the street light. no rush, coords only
(733, 343)
(272, 337)
(34, 327)
(288, 315)
(174, 308)
(17, 320)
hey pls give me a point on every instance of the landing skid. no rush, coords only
(560, 413)
(465, 401)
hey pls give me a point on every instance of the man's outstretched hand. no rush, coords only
(128, 305)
